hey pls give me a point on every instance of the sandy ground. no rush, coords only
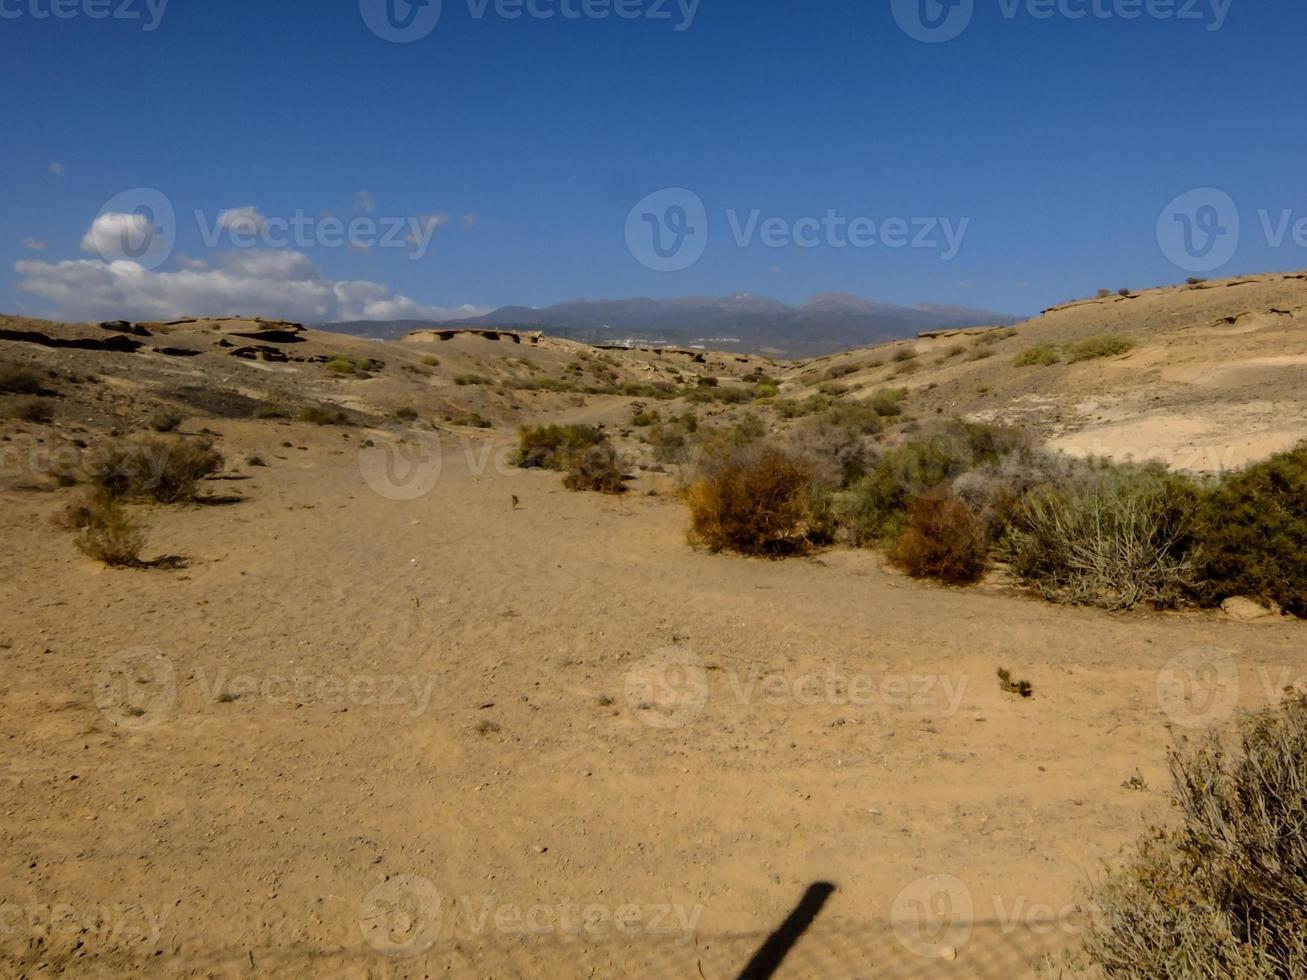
(457, 735)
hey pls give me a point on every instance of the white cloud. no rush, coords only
(193, 264)
(470, 219)
(262, 282)
(247, 220)
(34, 244)
(366, 202)
(113, 232)
(56, 167)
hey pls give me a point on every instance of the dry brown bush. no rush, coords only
(943, 540)
(758, 501)
(165, 471)
(597, 469)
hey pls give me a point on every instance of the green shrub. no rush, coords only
(1110, 536)
(1039, 356)
(888, 402)
(1102, 345)
(270, 412)
(764, 390)
(463, 380)
(552, 447)
(942, 540)
(430, 361)
(874, 508)
(759, 501)
(1221, 895)
(1253, 526)
(406, 413)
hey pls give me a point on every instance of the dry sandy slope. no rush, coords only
(252, 831)
(1218, 378)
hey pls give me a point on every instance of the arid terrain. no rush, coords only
(407, 710)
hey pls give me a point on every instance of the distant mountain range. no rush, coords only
(750, 324)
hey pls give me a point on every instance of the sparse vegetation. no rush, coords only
(1221, 893)
(19, 381)
(406, 414)
(108, 534)
(323, 415)
(595, 468)
(430, 360)
(270, 412)
(1101, 345)
(36, 410)
(463, 380)
(344, 364)
(1041, 355)
(165, 471)
(553, 447)
(165, 420)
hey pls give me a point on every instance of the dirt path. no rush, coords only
(550, 739)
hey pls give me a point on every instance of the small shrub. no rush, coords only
(552, 447)
(154, 469)
(20, 381)
(1102, 345)
(406, 414)
(430, 361)
(763, 391)
(1253, 526)
(888, 402)
(1039, 356)
(1110, 536)
(1124, 291)
(270, 412)
(1104, 293)
(321, 415)
(596, 469)
(942, 540)
(32, 410)
(165, 420)
(840, 371)
(957, 350)
(255, 461)
(904, 354)
(344, 364)
(757, 502)
(1221, 894)
(108, 534)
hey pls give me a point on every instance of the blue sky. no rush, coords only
(521, 145)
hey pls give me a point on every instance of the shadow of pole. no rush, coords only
(770, 955)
